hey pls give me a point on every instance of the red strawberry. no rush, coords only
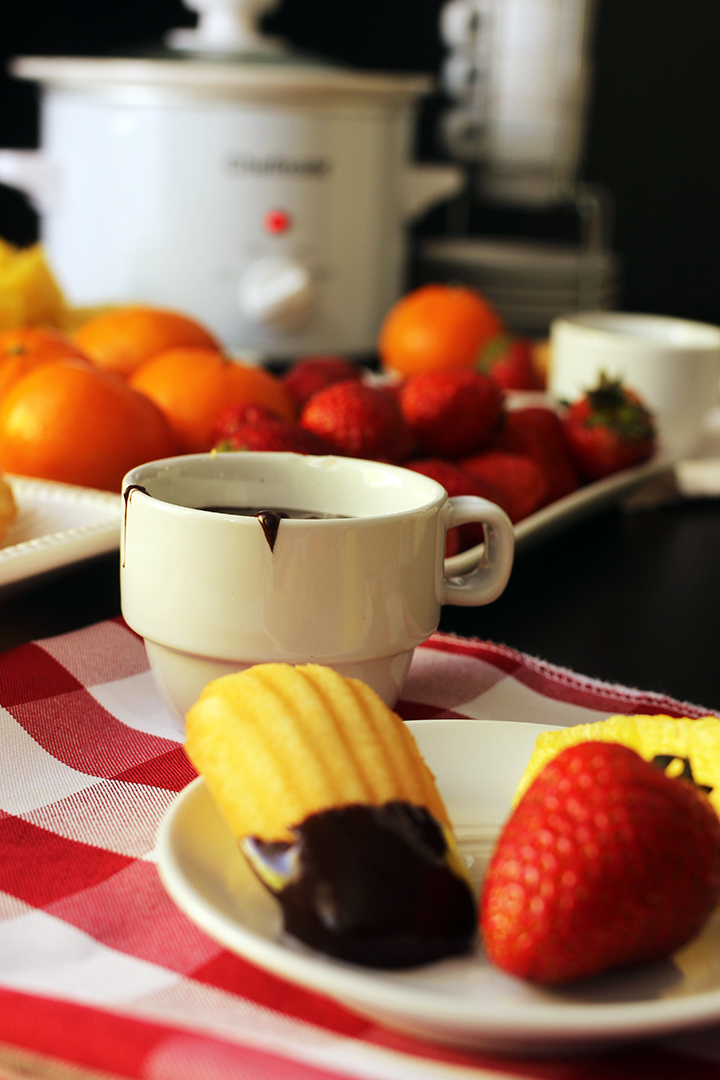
(314, 373)
(538, 433)
(451, 413)
(458, 482)
(455, 479)
(609, 429)
(234, 416)
(520, 482)
(392, 388)
(358, 420)
(605, 862)
(509, 362)
(269, 434)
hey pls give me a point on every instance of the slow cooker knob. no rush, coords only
(277, 291)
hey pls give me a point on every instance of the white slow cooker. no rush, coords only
(267, 196)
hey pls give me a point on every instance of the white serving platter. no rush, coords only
(559, 515)
(57, 525)
(464, 1001)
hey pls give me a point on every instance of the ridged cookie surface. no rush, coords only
(276, 743)
(8, 507)
(696, 742)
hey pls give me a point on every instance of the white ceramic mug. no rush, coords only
(674, 364)
(210, 594)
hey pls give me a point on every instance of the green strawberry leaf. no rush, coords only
(613, 408)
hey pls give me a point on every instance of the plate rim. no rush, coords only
(365, 990)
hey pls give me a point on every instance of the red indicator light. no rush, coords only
(276, 221)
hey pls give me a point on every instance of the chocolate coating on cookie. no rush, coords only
(371, 884)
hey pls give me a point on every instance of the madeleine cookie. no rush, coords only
(337, 812)
(8, 507)
(681, 747)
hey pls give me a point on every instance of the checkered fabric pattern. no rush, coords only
(101, 975)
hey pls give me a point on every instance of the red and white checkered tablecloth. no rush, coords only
(101, 975)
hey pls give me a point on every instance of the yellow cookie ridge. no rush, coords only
(649, 736)
(276, 743)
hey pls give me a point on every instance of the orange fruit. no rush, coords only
(70, 421)
(191, 386)
(122, 339)
(437, 327)
(28, 347)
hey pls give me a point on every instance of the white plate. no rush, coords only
(56, 525)
(465, 1000)
(580, 504)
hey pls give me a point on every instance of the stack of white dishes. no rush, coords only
(529, 282)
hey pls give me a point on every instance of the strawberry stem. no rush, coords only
(613, 407)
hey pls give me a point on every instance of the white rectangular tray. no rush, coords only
(582, 503)
(57, 525)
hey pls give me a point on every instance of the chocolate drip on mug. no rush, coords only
(270, 521)
(127, 493)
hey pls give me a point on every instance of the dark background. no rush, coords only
(653, 136)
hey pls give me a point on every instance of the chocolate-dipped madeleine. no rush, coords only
(337, 812)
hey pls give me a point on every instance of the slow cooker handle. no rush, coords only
(33, 173)
(425, 185)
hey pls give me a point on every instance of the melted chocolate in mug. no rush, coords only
(270, 519)
(253, 511)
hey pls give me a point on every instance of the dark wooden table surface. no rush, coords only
(630, 598)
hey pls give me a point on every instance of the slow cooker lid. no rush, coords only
(279, 76)
(226, 55)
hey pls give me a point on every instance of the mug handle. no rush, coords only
(485, 583)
